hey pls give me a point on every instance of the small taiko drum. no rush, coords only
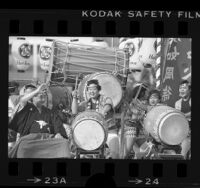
(166, 125)
(110, 87)
(89, 130)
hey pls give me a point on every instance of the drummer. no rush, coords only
(103, 105)
(154, 99)
(134, 137)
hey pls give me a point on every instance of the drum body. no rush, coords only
(166, 125)
(110, 87)
(72, 59)
(89, 130)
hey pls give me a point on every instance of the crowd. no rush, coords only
(29, 116)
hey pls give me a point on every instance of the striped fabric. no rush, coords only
(158, 61)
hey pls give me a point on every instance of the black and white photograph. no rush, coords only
(99, 98)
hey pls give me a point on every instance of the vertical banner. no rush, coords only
(176, 67)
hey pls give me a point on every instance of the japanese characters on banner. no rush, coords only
(175, 68)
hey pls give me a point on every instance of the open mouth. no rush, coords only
(147, 65)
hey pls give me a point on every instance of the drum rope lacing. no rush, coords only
(63, 50)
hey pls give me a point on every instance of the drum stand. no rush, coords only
(100, 152)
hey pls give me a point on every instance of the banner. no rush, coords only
(176, 66)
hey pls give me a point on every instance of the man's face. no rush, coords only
(184, 90)
(153, 100)
(93, 91)
(39, 99)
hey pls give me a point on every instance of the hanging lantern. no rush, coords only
(147, 51)
(132, 44)
(45, 54)
(22, 52)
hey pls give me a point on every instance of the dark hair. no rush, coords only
(185, 82)
(13, 84)
(94, 81)
(154, 91)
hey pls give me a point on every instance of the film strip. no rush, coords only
(109, 172)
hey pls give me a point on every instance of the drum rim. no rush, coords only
(162, 121)
(105, 130)
(158, 122)
(160, 118)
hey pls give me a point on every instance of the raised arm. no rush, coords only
(74, 102)
(28, 96)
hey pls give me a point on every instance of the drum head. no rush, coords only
(110, 87)
(166, 124)
(88, 134)
(173, 129)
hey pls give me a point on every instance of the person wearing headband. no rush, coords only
(103, 105)
(96, 101)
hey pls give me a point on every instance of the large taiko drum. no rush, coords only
(110, 87)
(166, 125)
(89, 130)
(72, 59)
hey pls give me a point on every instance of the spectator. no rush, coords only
(184, 105)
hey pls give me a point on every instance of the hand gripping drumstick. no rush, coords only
(76, 83)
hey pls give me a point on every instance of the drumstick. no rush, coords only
(140, 87)
(122, 137)
(76, 84)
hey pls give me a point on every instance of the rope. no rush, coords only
(63, 52)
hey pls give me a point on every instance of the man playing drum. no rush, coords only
(154, 98)
(104, 106)
(155, 104)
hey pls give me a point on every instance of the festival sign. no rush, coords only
(176, 67)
